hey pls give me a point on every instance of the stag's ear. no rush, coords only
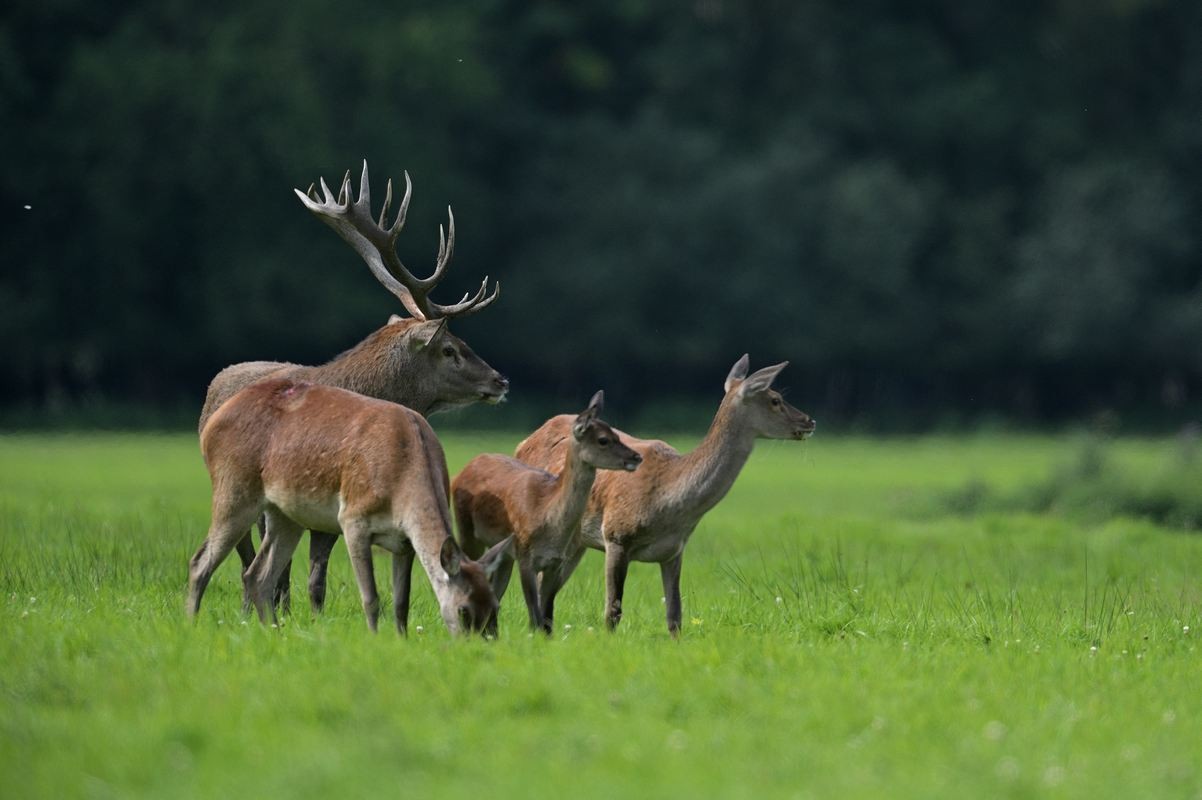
(738, 372)
(424, 333)
(395, 318)
(589, 414)
(450, 556)
(492, 560)
(760, 380)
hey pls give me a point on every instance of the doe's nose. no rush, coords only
(501, 382)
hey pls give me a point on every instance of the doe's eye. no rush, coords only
(448, 351)
(603, 441)
(776, 401)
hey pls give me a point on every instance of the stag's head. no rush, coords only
(451, 374)
(468, 603)
(598, 444)
(762, 406)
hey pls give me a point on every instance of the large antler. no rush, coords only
(375, 242)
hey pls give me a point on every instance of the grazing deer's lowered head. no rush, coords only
(319, 457)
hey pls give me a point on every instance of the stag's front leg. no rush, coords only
(670, 573)
(320, 547)
(402, 571)
(616, 563)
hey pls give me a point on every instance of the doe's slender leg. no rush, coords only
(616, 564)
(402, 572)
(670, 573)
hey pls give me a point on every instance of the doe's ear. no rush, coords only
(760, 380)
(422, 334)
(589, 414)
(738, 372)
(450, 556)
(395, 318)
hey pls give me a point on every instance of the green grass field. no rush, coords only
(846, 635)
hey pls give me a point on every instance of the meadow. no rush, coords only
(857, 623)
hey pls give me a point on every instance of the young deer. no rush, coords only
(649, 515)
(495, 496)
(412, 361)
(318, 457)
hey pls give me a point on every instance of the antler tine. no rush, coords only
(375, 242)
(329, 195)
(466, 306)
(404, 210)
(387, 203)
(364, 189)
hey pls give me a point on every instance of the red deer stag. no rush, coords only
(649, 515)
(496, 496)
(414, 361)
(322, 458)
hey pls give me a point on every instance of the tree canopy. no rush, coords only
(968, 206)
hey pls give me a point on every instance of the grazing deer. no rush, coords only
(317, 457)
(412, 361)
(649, 515)
(496, 496)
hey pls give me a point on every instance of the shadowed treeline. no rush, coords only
(929, 208)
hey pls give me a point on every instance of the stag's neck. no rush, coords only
(704, 476)
(373, 369)
(572, 486)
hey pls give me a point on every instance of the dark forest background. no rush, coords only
(936, 209)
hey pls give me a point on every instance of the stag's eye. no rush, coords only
(603, 441)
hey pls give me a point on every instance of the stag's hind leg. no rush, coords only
(230, 526)
(320, 547)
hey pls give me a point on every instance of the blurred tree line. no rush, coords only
(931, 207)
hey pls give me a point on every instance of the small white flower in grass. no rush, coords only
(1093, 648)
(243, 622)
(420, 629)
(779, 600)
(591, 629)
(33, 599)
(567, 626)
(1185, 629)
